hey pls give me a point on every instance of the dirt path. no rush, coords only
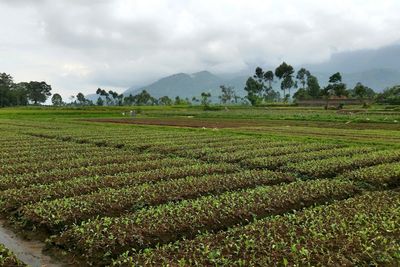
(29, 252)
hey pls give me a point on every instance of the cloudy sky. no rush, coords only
(79, 45)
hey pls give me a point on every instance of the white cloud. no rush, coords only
(81, 45)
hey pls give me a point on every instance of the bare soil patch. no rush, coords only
(241, 123)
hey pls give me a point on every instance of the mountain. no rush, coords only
(361, 60)
(377, 79)
(376, 68)
(188, 85)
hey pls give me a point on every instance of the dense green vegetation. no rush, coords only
(7, 258)
(290, 186)
(258, 88)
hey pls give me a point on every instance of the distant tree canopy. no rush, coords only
(205, 99)
(285, 73)
(310, 88)
(259, 87)
(361, 91)
(14, 94)
(57, 100)
(82, 101)
(390, 96)
(165, 101)
(228, 95)
(335, 87)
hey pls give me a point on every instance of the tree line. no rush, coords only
(259, 89)
(23, 93)
(259, 86)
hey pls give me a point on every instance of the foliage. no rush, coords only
(205, 99)
(276, 189)
(390, 96)
(7, 258)
(56, 100)
(336, 87)
(228, 95)
(355, 232)
(285, 73)
(38, 92)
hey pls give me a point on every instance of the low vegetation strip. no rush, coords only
(332, 166)
(361, 231)
(379, 176)
(273, 151)
(105, 238)
(7, 258)
(46, 177)
(279, 161)
(92, 160)
(12, 199)
(204, 152)
(57, 214)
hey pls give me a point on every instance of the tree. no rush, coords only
(335, 78)
(195, 100)
(38, 92)
(390, 96)
(117, 99)
(144, 98)
(205, 99)
(259, 74)
(285, 73)
(56, 100)
(254, 90)
(18, 94)
(81, 98)
(360, 91)
(228, 94)
(6, 83)
(104, 93)
(313, 88)
(336, 87)
(302, 75)
(165, 101)
(100, 101)
(269, 78)
(301, 94)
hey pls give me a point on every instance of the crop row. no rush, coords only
(49, 154)
(79, 162)
(176, 144)
(59, 213)
(51, 176)
(44, 147)
(273, 151)
(70, 153)
(362, 231)
(333, 166)
(105, 238)
(137, 141)
(381, 176)
(7, 258)
(173, 146)
(276, 162)
(14, 198)
(249, 145)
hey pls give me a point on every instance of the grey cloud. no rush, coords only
(86, 44)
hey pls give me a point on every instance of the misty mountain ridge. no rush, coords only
(375, 68)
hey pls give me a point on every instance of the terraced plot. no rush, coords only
(150, 196)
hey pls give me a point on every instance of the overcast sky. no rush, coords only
(79, 45)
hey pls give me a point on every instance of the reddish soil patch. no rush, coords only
(183, 122)
(227, 123)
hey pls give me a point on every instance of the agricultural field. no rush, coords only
(196, 188)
